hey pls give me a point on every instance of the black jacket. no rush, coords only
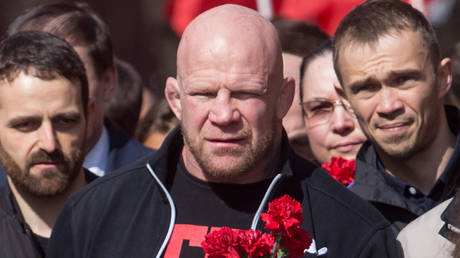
(128, 213)
(371, 185)
(16, 237)
(123, 150)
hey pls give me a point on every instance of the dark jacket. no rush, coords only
(16, 237)
(371, 185)
(129, 213)
(123, 150)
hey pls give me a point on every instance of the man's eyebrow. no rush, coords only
(413, 73)
(68, 115)
(23, 119)
(357, 84)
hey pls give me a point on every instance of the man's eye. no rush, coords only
(26, 126)
(365, 88)
(243, 95)
(204, 94)
(65, 122)
(402, 79)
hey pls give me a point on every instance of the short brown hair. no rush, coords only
(75, 23)
(44, 56)
(375, 18)
(297, 37)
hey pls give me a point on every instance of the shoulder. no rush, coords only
(122, 186)
(341, 220)
(330, 195)
(123, 149)
(118, 139)
(430, 221)
(2, 176)
(421, 236)
(325, 190)
(5, 204)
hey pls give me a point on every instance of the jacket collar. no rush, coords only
(451, 228)
(371, 183)
(9, 206)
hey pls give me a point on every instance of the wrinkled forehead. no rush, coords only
(383, 41)
(232, 43)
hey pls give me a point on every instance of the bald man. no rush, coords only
(215, 170)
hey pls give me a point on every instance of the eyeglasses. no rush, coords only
(319, 111)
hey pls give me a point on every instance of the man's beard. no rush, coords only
(50, 182)
(246, 157)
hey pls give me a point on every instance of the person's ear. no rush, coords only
(286, 97)
(444, 77)
(110, 82)
(172, 94)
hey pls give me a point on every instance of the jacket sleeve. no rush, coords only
(62, 241)
(382, 244)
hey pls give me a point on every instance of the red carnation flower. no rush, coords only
(296, 244)
(231, 243)
(283, 218)
(283, 215)
(341, 169)
(222, 243)
(255, 243)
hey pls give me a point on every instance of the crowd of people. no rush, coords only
(95, 165)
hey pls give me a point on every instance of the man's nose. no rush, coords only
(47, 138)
(389, 105)
(222, 110)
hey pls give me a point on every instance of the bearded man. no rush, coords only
(43, 111)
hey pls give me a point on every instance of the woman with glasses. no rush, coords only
(331, 124)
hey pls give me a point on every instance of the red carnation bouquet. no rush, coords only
(342, 170)
(286, 238)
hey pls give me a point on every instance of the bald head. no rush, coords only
(230, 35)
(230, 95)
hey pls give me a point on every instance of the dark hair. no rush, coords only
(124, 106)
(298, 37)
(159, 118)
(375, 18)
(326, 47)
(75, 23)
(44, 56)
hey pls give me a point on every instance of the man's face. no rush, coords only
(42, 132)
(227, 124)
(394, 91)
(228, 111)
(332, 132)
